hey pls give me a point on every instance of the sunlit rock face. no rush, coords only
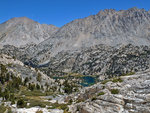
(108, 27)
(131, 96)
(22, 31)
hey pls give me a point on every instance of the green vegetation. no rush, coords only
(127, 74)
(80, 100)
(39, 76)
(113, 80)
(117, 80)
(93, 98)
(21, 103)
(114, 91)
(100, 93)
(26, 80)
(2, 108)
(39, 111)
(3, 69)
(35, 93)
(105, 81)
(39, 103)
(59, 106)
(69, 87)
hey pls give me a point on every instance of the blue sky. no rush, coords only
(60, 12)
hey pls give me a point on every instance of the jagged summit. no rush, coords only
(108, 27)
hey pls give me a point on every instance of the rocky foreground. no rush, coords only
(127, 94)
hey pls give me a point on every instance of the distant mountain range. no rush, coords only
(69, 48)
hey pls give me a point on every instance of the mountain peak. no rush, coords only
(24, 20)
(106, 11)
(25, 31)
(133, 9)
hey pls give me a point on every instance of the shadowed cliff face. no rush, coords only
(22, 31)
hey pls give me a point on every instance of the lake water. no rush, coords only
(88, 80)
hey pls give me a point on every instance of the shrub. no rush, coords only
(21, 103)
(101, 93)
(12, 102)
(26, 80)
(94, 98)
(39, 76)
(114, 91)
(39, 111)
(38, 87)
(0, 91)
(68, 88)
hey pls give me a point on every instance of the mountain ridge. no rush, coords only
(21, 31)
(109, 27)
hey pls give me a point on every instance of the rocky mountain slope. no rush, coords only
(127, 94)
(101, 60)
(22, 31)
(95, 45)
(9, 65)
(108, 27)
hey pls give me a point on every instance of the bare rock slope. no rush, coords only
(130, 94)
(13, 66)
(22, 31)
(109, 27)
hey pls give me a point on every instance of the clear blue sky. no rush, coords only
(60, 12)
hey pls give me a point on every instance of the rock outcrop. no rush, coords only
(104, 61)
(17, 68)
(129, 95)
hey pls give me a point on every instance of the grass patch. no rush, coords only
(117, 80)
(105, 81)
(127, 74)
(39, 111)
(114, 91)
(32, 93)
(2, 108)
(39, 103)
(59, 106)
(35, 93)
(43, 104)
(100, 93)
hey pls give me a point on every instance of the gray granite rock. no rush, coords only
(133, 96)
